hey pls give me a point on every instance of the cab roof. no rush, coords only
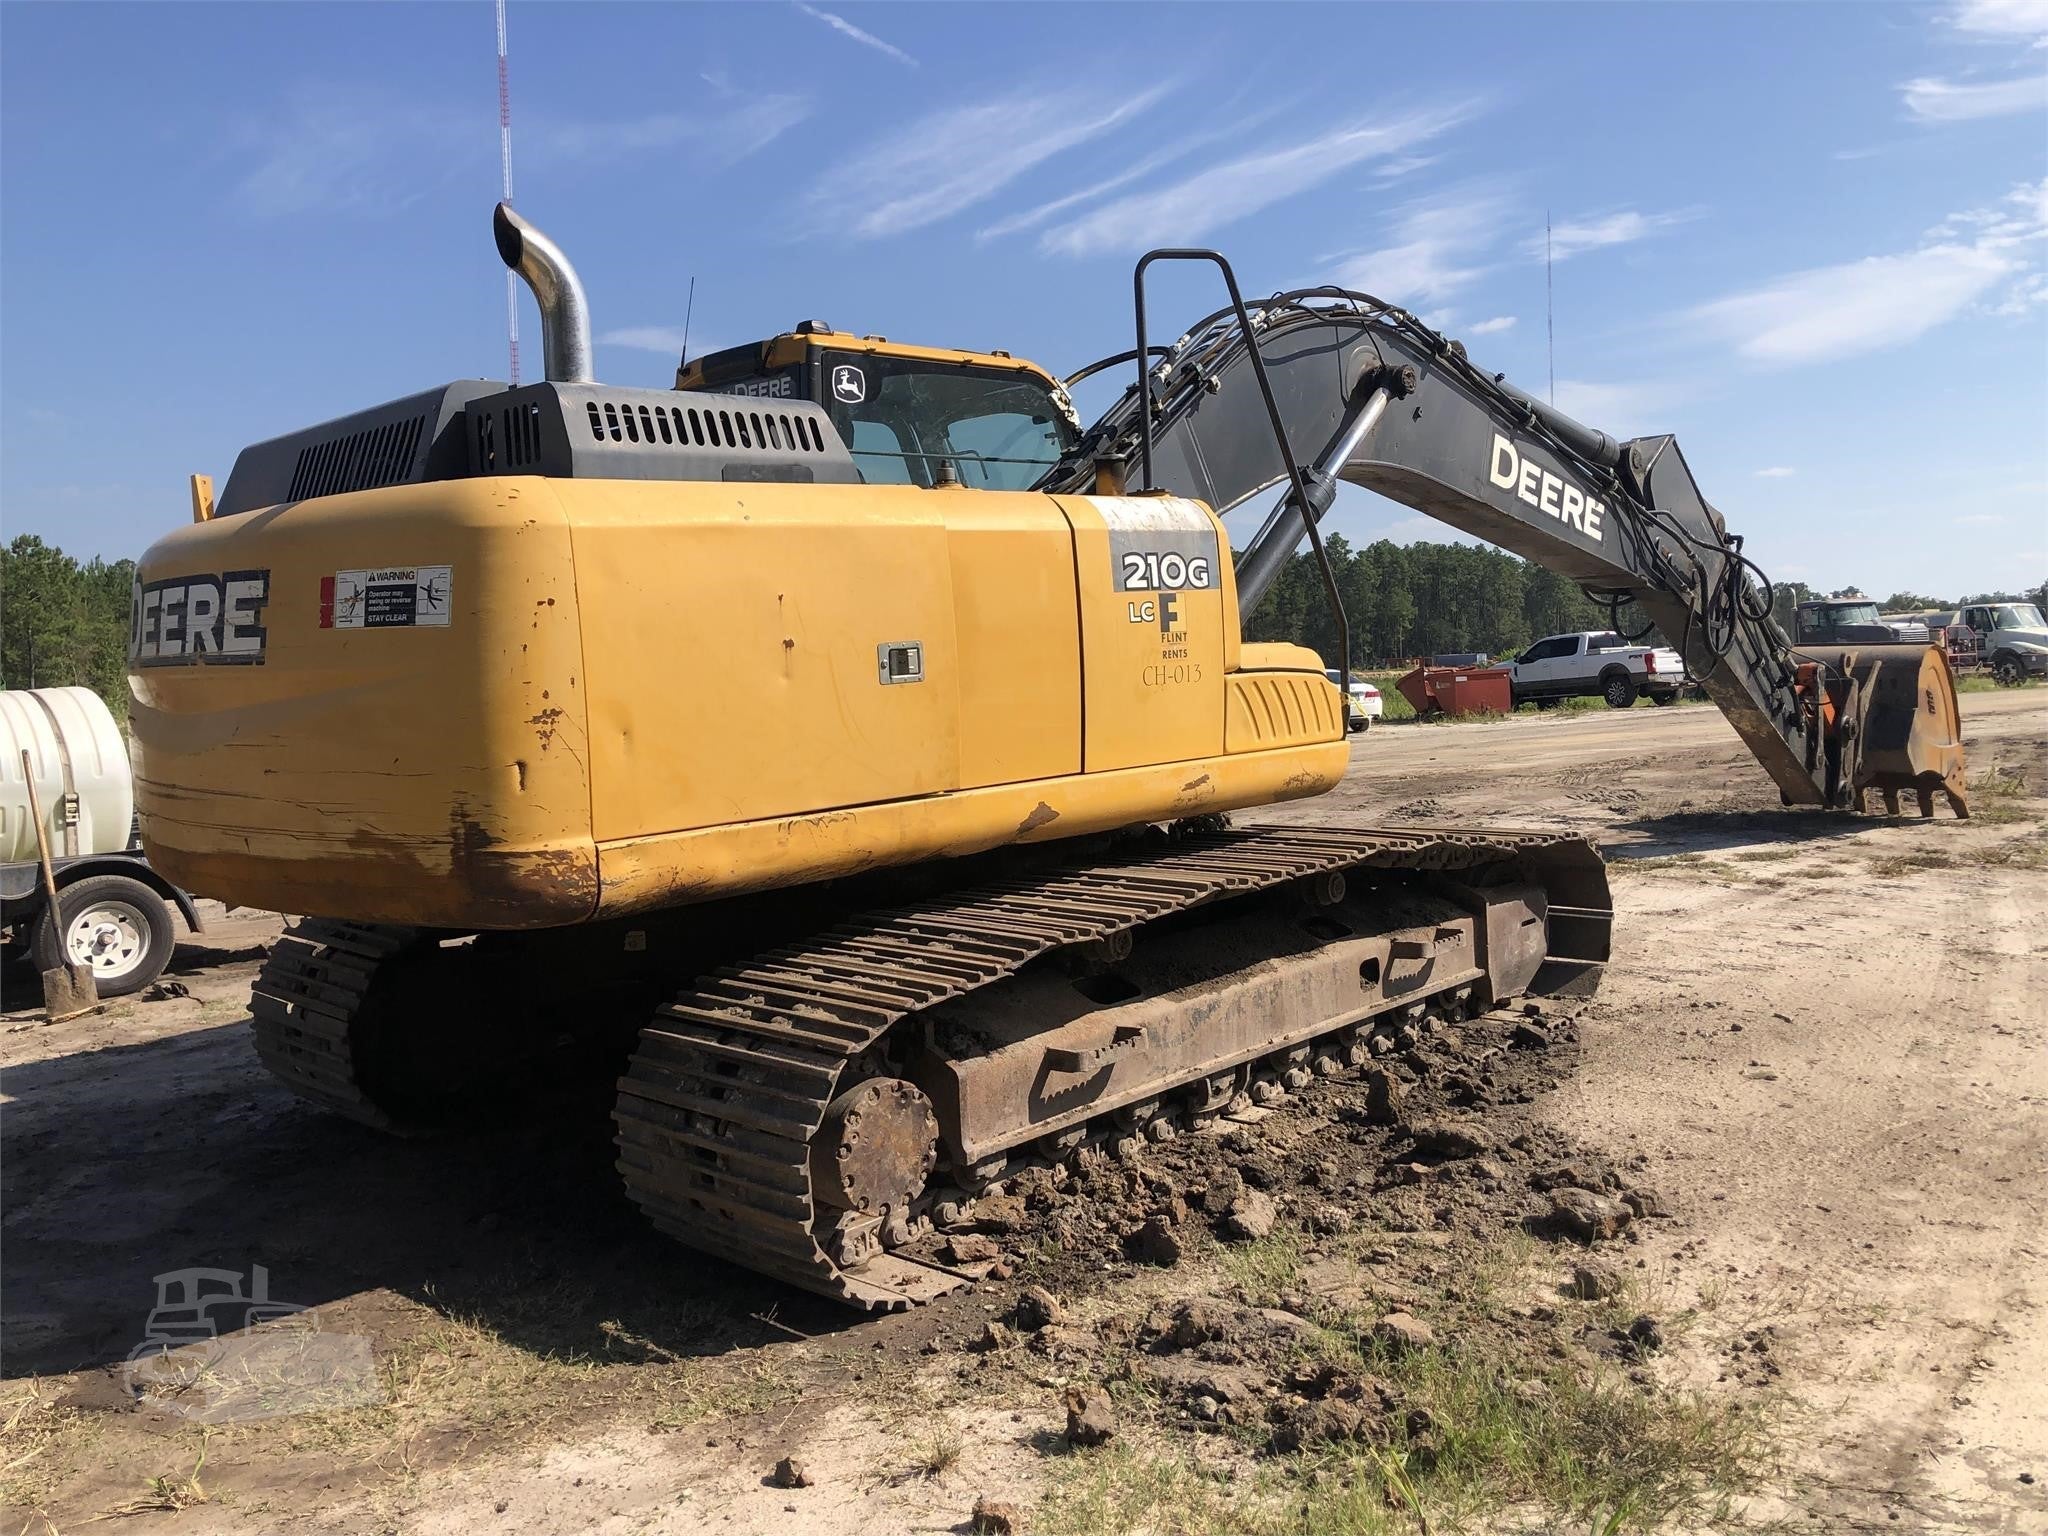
(791, 346)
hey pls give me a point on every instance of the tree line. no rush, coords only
(1405, 601)
(1916, 602)
(63, 622)
(1409, 600)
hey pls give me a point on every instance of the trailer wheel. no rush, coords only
(118, 926)
(1619, 690)
(2007, 671)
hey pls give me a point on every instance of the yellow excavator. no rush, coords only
(845, 739)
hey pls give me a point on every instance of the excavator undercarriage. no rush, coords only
(807, 1111)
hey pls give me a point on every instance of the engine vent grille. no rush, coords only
(706, 426)
(604, 432)
(508, 439)
(359, 461)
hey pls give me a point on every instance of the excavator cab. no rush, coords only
(909, 415)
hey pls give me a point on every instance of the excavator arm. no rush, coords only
(1322, 384)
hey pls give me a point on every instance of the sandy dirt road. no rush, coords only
(1824, 1040)
(1842, 1067)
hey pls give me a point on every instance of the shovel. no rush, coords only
(68, 988)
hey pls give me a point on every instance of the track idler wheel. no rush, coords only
(879, 1142)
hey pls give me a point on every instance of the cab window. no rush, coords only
(879, 453)
(903, 417)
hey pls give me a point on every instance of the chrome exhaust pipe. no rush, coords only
(564, 312)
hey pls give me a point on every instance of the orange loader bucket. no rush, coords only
(1898, 723)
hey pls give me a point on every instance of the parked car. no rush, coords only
(1596, 664)
(1362, 701)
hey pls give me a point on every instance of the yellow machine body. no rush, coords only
(639, 694)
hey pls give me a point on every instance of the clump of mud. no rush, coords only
(1343, 1220)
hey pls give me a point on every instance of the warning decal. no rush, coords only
(390, 597)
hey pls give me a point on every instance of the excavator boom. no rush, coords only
(1362, 391)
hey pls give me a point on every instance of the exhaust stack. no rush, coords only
(564, 312)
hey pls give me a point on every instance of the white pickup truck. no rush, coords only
(1596, 664)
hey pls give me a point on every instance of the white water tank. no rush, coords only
(80, 762)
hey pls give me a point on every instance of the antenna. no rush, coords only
(1549, 303)
(505, 167)
(688, 309)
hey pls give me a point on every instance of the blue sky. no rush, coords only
(1810, 240)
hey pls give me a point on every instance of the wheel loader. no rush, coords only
(847, 738)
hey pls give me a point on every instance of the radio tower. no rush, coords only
(505, 166)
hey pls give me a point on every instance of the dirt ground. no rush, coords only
(1816, 1073)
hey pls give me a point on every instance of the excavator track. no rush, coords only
(720, 1112)
(307, 1006)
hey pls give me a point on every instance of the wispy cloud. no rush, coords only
(1938, 99)
(1575, 237)
(1221, 194)
(947, 161)
(1439, 247)
(647, 338)
(1491, 327)
(1623, 409)
(1032, 217)
(1777, 472)
(1935, 100)
(2024, 297)
(724, 137)
(1982, 519)
(846, 28)
(1400, 168)
(2002, 18)
(339, 149)
(360, 151)
(1858, 306)
(1880, 301)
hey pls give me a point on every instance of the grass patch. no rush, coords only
(1577, 704)
(1267, 1267)
(1585, 1445)
(1998, 796)
(1977, 682)
(1676, 864)
(169, 1494)
(1892, 866)
(689, 1391)
(41, 1445)
(1764, 855)
(1394, 709)
(938, 1451)
(2029, 852)
(458, 1372)
(1126, 1487)
(1489, 1421)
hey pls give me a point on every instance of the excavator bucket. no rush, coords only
(1900, 725)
